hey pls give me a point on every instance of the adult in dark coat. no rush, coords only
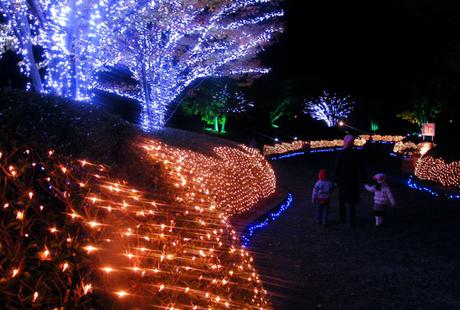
(349, 173)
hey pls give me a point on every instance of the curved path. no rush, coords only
(411, 263)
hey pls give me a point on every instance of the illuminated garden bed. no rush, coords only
(72, 235)
(149, 229)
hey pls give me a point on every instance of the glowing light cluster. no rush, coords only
(235, 179)
(438, 170)
(405, 148)
(412, 149)
(329, 108)
(173, 249)
(285, 147)
(386, 138)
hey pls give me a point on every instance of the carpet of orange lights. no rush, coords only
(173, 248)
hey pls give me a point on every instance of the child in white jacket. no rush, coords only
(383, 197)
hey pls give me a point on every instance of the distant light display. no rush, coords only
(329, 108)
(296, 145)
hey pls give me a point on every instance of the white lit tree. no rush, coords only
(329, 108)
(169, 44)
(69, 33)
(166, 44)
(72, 38)
(19, 33)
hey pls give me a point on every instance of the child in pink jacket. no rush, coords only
(383, 197)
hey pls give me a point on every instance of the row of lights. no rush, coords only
(266, 221)
(296, 145)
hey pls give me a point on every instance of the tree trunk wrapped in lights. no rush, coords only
(69, 31)
(170, 44)
(23, 34)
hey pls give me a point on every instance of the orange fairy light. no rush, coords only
(107, 269)
(89, 249)
(121, 294)
(94, 224)
(14, 272)
(87, 288)
(45, 254)
(53, 230)
(34, 298)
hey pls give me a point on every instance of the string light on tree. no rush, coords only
(329, 108)
(168, 45)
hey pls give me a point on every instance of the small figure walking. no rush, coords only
(383, 197)
(321, 197)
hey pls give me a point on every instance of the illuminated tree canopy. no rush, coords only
(215, 109)
(329, 108)
(166, 44)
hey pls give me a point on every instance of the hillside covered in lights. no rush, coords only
(97, 214)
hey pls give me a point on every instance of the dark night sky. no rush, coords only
(383, 53)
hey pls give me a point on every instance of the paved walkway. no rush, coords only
(411, 263)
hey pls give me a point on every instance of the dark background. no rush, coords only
(386, 54)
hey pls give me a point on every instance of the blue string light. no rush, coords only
(324, 150)
(411, 182)
(272, 217)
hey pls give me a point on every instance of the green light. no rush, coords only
(374, 126)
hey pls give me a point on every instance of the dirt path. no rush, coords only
(412, 263)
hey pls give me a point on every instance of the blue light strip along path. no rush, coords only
(266, 220)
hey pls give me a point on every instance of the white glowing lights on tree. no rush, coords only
(170, 44)
(20, 33)
(166, 44)
(235, 102)
(72, 37)
(329, 108)
(69, 33)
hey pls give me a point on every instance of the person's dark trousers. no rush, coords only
(323, 213)
(347, 212)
